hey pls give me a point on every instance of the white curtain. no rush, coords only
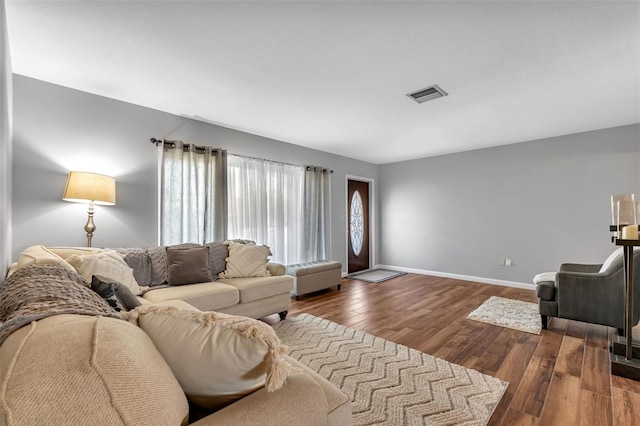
(265, 201)
(193, 194)
(317, 205)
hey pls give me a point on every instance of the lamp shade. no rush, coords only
(83, 187)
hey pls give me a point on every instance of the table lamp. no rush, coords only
(91, 188)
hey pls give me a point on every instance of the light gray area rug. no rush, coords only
(376, 275)
(390, 384)
(509, 313)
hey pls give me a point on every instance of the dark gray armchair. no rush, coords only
(583, 293)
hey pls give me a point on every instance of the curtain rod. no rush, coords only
(186, 145)
(157, 142)
(281, 162)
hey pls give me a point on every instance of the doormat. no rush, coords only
(509, 313)
(375, 276)
(388, 383)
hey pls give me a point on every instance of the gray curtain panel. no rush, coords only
(317, 204)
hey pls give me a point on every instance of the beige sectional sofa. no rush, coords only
(254, 297)
(78, 369)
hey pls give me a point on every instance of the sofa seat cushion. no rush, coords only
(82, 370)
(204, 296)
(256, 288)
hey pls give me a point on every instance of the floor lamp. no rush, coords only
(91, 188)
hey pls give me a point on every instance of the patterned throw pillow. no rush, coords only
(218, 253)
(108, 266)
(158, 259)
(246, 260)
(217, 358)
(119, 297)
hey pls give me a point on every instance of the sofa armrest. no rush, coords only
(579, 267)
(276, 268)
(301, 401)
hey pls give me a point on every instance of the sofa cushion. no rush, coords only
(257, 288)
(217, 358)
(83, 370)
(40, 255)
(246, 260)
(188, 265)
(108, 266)
(204, 296)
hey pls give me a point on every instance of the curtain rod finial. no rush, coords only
(156, 141)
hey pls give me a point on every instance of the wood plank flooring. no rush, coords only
(561, 377)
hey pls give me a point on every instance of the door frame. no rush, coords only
(372, 219)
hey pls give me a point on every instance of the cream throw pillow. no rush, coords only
(40, 255)
(217, 358)
(617, 254)
(246, 260)
(108, 266)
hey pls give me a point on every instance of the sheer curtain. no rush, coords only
(265, 201)
(317, 204)
(193, 194)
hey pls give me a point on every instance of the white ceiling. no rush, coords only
(333, 75)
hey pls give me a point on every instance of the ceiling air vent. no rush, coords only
(424, 95)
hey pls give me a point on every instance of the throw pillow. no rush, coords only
(108, 266)
(188, 265)
(116, 295)
(138, 260)
(158, 258)
(246, 260)
(218, 253)
(40, 255)
(217, 358)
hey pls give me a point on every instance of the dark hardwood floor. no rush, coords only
(561, 377)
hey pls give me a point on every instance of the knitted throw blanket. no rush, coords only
(39, 291)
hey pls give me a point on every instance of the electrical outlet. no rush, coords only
(507, 262)
(501, 261)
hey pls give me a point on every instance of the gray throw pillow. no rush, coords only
(118, 296)
(188, 265)
(218, 253)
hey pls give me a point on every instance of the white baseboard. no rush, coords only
(528, 286)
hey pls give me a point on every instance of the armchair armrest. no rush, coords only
(579, 267)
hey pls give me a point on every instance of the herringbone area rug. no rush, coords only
(390, 384)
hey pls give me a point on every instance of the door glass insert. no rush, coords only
(356, 223)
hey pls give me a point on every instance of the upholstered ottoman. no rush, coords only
(314, 276)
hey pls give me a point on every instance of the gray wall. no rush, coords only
(539, 203)
(5, 145)
(59, 129)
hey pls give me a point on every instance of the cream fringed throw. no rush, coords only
(39, 291)
(217, 358)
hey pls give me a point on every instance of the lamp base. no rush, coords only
(90, 227)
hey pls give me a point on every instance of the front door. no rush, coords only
(358, 229)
